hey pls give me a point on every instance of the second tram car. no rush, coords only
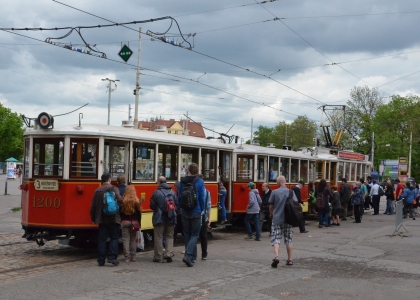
(63, 166)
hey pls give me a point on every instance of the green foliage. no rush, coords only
(299, 133)
(11, 134)
(360, 114)
(392, 125)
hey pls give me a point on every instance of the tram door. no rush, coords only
(116, 158)
(333, 173)
(225, 175)
(262, 169)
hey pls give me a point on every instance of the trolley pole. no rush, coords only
(136, 106)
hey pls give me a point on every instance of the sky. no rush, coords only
(266, 62)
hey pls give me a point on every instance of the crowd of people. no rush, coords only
(188, 210)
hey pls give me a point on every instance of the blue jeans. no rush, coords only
(256, 219)
(192, 225)
(323, 217)
(388, 206)
(113, 231)
(222, 204)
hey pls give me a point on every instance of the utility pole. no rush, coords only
(285, 137)
(136, 106)
(129, 112)
(252, 124)
(409, 154)
(110, 90)
(373, 151)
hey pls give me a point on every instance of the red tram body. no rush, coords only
(63, 166)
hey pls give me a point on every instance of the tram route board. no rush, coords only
(46, 185)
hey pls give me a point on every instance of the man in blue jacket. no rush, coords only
(409, 195)
(191, 219)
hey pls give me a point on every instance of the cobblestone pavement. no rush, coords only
(351, 261)
(20, 259)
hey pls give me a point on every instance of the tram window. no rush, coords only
(347, 172)
(284, 168)
(26, 162)
(304, 170)
(188, 156)
(245, 167)
(362, 171)
(318, 170)
(225, 166)
(261, 169)
(327, 170)
(168, 162)
(83, 158)
(274, 169)
(48, 157)
(114, 160)
(143, 161)
(294, 170)
(208, 164)
(353, 171)
(341, 170)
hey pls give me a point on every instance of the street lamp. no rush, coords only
(110, 90)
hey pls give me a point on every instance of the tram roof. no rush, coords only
(254, 149)
(123, 133)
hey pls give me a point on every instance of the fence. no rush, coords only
(399, 218)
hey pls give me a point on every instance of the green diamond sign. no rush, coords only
(125, 53)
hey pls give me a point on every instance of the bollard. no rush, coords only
(5, 188)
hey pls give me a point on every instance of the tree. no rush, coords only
(263, 135)
(392, 125)
(11, 134)
(361, 111)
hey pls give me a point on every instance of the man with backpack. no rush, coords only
(163, 204)
(191, 195)
(105, 213)
(205, 223)
(280, 229)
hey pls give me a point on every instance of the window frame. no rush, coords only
(53, 140)
(89, 141)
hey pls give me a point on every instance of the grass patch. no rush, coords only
(15, 209)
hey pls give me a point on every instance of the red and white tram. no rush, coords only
(63, 166)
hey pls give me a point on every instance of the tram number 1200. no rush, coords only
(40, 202)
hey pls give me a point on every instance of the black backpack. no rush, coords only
(188, 199)
(320, 201)
(169, 212)
(292, 211)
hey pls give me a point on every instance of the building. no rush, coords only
(181, 127)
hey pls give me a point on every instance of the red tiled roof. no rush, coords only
(194, 129)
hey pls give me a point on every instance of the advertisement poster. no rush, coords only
(388, 168)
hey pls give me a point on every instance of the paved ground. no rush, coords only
(351, 261)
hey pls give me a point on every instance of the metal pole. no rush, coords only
(136, 106)
(5, 188)
(109, 100)
(285, 137)
(373, 151)
(252, 121)
(409, 154)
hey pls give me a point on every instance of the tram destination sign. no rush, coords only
(352, 156)
(125, 53)
(46, 185)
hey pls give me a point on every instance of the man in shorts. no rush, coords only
(279, 228)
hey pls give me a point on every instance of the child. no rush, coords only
(336, 206)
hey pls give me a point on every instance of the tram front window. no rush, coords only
(48, 157)
(245, 166)
(26, 162)
(208, 163)
(83, 158)
(143, 161)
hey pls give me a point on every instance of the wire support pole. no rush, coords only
(110, 90)
(136, 106)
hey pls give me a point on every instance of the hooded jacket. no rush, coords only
(254, 202)
(200, 191)
(158, 204)
(409, 195)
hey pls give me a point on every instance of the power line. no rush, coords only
(316, 49)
